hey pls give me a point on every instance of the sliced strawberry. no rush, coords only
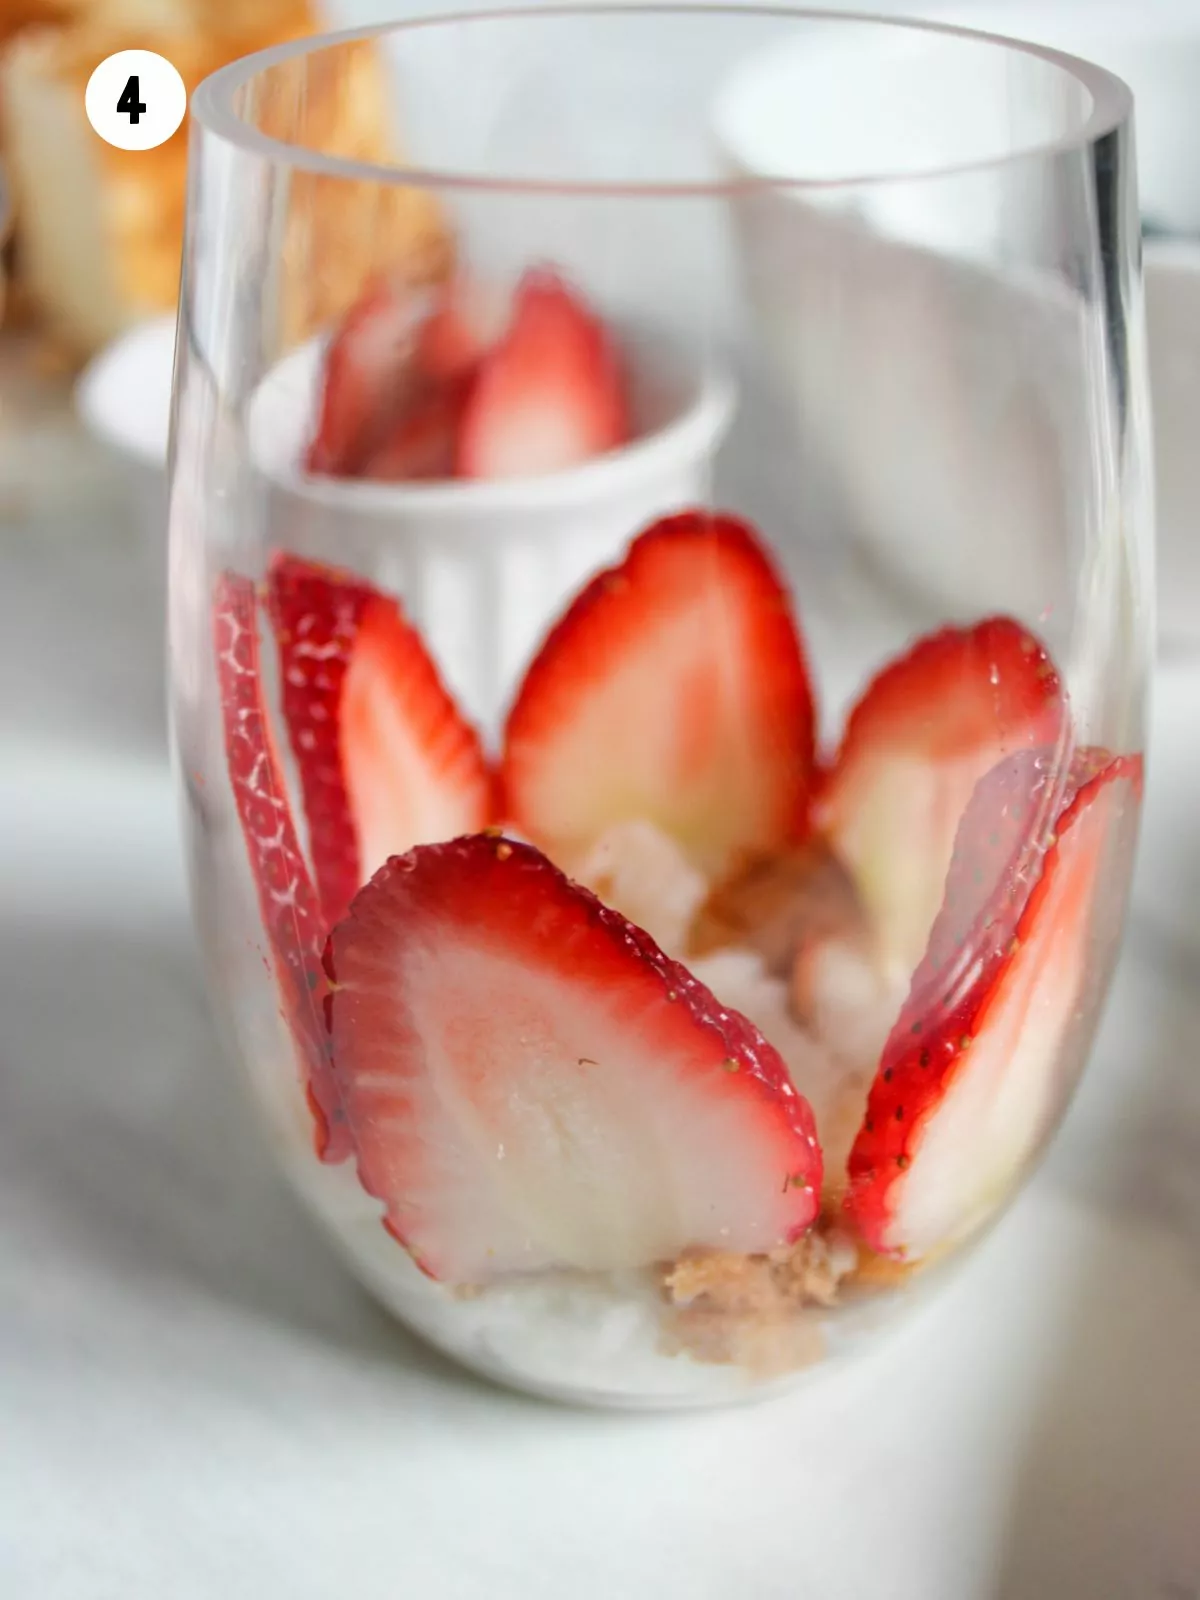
(835, 1091)
(674, 691)
(285, 893)
(925, 731)
(531, 1083)
(467, 320)
(837, 983)
(464, 321)
(370, 378)
(552, 392)
(422, 442)
(385, 759)
(984, 1051)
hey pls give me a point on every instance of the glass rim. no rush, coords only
(212, 107)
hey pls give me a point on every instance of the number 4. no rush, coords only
(129, 102)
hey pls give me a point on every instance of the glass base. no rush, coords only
(599, 1341)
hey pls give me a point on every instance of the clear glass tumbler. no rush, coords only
(640, 1032)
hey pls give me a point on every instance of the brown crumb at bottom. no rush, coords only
(759, 1312)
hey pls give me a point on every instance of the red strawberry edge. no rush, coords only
(922, 1052)
(889, 698)
(287, 902)
(325, 619)
(369, 377)
(316, 612)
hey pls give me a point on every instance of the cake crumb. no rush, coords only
(756, 1311)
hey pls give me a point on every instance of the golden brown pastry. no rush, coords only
(99, 230)
(339, 233)
(17, 15)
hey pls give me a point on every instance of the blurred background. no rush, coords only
(127, 1181)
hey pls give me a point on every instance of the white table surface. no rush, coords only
(197, 1401)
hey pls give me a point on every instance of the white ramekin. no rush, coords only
(484, 567)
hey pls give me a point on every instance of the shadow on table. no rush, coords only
(126, 1144)
(1107, 1497)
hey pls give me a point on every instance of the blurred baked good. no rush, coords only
(17, 15)
(99, 230)
(340, 233)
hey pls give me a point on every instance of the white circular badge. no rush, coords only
(135, 99)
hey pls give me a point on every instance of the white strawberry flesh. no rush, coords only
(530, 1083)
(675, 690)
(926, 729)
(551, 394)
